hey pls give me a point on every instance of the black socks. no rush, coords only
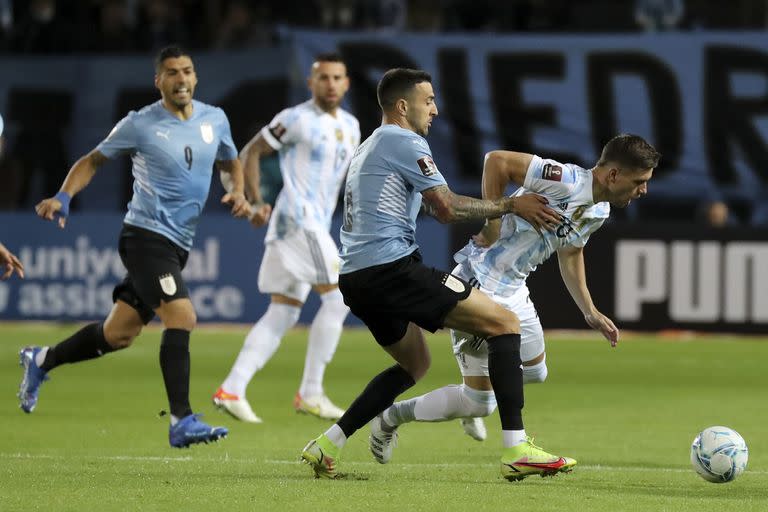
(87, 343)
(377, 396)
(174, 362)
(504, 369)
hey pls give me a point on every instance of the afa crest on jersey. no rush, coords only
(206, 130)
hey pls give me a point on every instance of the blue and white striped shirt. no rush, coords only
(503, 267)
(315, 149)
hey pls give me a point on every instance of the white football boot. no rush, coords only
(474, 428)
(235, 406)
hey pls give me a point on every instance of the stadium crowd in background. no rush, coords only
(124, 27)
(55, 26)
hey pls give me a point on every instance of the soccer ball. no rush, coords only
(719, 454)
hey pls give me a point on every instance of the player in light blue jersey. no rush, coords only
(315, 141)
(174, 145)
(384, 283)
(499, 260)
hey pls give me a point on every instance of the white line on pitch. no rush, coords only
(598, 467)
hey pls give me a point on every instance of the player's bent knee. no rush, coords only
(535, 373)
(478, 403)
(417, 367)
(333, 303)
(420, 369)
(505, 322)
(186, 320)
(120, 339)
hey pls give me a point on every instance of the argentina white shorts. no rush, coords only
(292, 265)
(472, 352)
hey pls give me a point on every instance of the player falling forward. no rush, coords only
(385, 284)
(315, 141)
(500, 270)
(174, 144)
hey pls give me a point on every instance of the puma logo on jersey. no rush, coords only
(165, 135)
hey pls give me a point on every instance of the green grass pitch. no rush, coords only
(628, 415)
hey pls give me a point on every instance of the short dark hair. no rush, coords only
(631, 152)
(397, 83)
(169, 52)
(328, 57)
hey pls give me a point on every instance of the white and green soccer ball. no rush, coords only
(719, 454)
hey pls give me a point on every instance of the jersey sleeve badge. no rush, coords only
(427, 166)
(552, 172)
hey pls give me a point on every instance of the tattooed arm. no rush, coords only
(441, 203)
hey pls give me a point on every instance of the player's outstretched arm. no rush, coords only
(79, 176)
(11, 263)
(571, 260)
(234, 196)
(441, 203)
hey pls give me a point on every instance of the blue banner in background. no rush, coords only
(57, 109)
(701, 98)
(70, 273)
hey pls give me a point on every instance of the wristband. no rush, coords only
(64, 199)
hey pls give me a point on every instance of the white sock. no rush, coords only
(442, 404)
(40, 357)
(336, 436)
(260, 344)
(324, 337)
(513, 437)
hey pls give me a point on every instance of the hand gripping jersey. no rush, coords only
(503, 267)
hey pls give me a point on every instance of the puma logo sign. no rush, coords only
(164, 135)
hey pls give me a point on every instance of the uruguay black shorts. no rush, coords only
(387, 297)
(154, 265)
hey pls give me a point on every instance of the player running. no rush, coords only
(174, 144)
(315, 141)
(387, 286)
(499, 260)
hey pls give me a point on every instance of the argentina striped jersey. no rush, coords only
(314, 149)
(503, 267)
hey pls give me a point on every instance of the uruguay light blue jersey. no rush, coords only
(172, 165)
(503, 267)
(382, 197)
(315, 149)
